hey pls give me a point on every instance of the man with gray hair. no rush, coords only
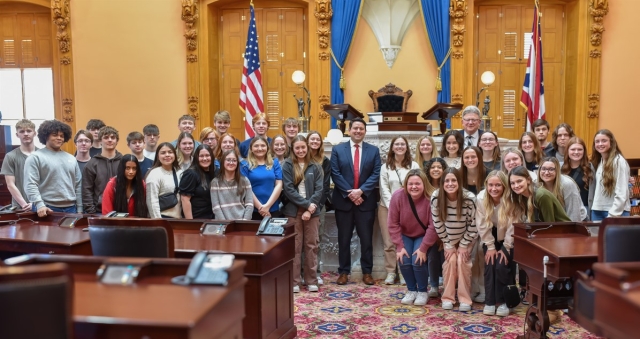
(470, 126)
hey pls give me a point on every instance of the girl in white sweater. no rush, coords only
(392, 176)
(160, 181)
(612, 177)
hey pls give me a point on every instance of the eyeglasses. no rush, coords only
(231, 161)
(487, 140)
(471, 120)
(547, 169)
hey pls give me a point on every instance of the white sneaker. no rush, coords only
(421, 299)
(402, 282)
(447, 305)
(433, 292)
(479, 298)
(296, 289)
(313, 288)
(489, 310)
(464, 307)
(409, 297)
(391, 279)
(320, 281)
(502, 310)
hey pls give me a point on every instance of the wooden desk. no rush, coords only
(269, 291)
(152, 307)
(617, 311)
(570, 248)
(28, 233)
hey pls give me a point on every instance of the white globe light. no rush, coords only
(298, 77)
(488, 78)
(334, 136)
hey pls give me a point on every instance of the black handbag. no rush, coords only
(511, 295)
(169, 200)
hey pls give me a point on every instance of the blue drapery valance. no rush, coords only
(343, 26)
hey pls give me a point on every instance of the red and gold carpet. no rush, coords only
(359, 311)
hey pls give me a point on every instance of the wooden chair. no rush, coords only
(37, 302)
(131, 237)
(390, 99)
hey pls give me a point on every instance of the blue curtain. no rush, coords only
(343, 26)
(436, 18)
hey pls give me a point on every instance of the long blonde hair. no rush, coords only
(317, 156)
(488, 204)
(434, 150)
(251, 159)
(608, 178)
(537, 151)
(557, 187)
(298, 171)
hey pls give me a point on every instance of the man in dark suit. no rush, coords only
(355, 170)
(470, 126)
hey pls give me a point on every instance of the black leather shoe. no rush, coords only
(343, 279)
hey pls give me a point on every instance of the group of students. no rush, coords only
(447, 208)
(214, 177)
(438, 211)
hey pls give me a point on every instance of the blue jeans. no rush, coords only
(416, 275)
(70, 209)
(599, 215)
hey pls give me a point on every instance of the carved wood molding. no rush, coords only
(63, 74)
(61, 17)
(193, 106)
(597, 9)
(190, 15)
(323, 13)
(594, 106)
(323, 100)
(67, 107)
(459, 54)
(458, 11)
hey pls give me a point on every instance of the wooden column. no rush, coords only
(320, 64)
(459, 25)
(190, 15)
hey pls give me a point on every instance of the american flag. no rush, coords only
(251, 89)
(532, 98)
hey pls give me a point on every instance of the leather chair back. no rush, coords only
(619, 243)
(36, 302)
(141, 238)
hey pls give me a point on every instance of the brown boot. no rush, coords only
(367, 279)
(343, 279)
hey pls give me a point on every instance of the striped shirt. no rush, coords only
(452, 230)
(227, 204)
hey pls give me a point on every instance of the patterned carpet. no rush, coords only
(359, 311)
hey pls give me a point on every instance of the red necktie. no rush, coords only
(356, 167)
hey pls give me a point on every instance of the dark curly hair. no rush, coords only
(49, 127)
